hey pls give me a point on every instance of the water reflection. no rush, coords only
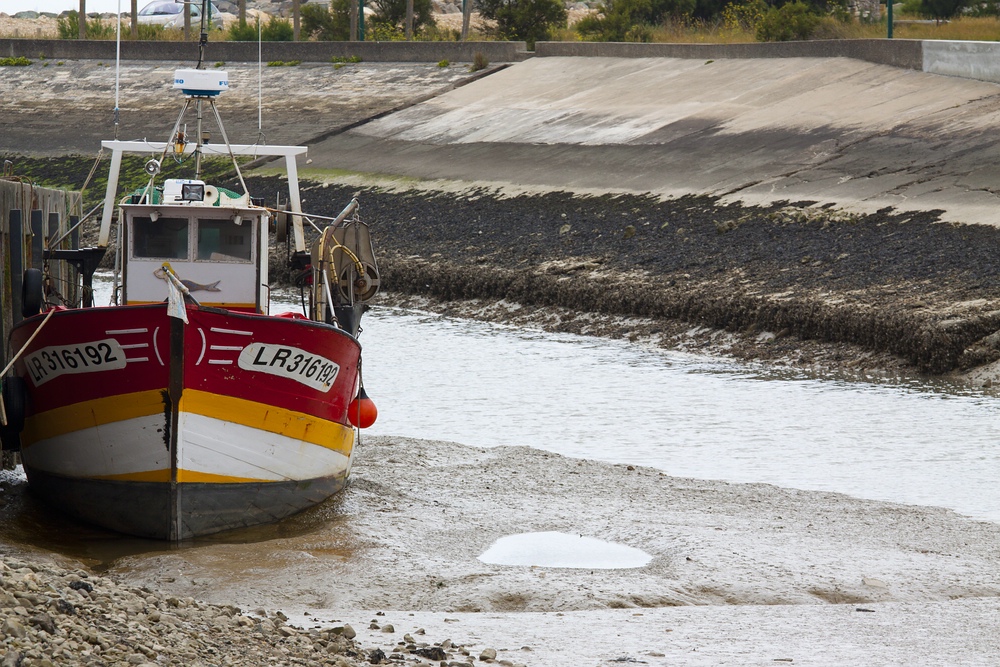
(926, 443)
(27, 520)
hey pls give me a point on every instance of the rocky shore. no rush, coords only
(58, 615)
(789, 283)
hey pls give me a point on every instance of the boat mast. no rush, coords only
(202, 42)
(197, 151)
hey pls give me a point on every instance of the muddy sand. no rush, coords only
(740, 574)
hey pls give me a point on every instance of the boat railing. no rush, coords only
(289, 153)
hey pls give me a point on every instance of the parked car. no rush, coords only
(170, 14)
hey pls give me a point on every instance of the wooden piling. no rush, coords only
(37, 214)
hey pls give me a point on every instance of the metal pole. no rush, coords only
(83, 19)
(888, 5)
(354, 22)
(361, 20)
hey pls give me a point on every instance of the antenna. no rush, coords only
(206, 8)
(203, 40)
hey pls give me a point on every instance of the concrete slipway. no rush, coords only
(832, 130)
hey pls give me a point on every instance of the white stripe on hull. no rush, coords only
(119, 448)
(207, 445)
(219, 447)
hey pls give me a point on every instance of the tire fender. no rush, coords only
(32, 297)
(15, 400)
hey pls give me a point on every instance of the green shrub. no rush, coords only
(284, 63)
(523, 20)
(380, 31)
(744, 16)
(345, 59)
(793, 21)
(327, 23)
(436, 33)
(615, 18)
(444, 63)
(639, 33)
(942, 10)
(147, 32)
(479, 61)
(988, 8)
(832, 27)
(19, 61)
(392, 14)
(278, 30)
(243, 32)
(68, 27)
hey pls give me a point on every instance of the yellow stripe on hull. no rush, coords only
(289, 423)
(88, 414)
(100, 411)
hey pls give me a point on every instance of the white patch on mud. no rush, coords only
(552, 549)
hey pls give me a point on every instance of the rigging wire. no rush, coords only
(118, 66)
(260, 86)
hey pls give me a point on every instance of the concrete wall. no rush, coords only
(71, 49)
(897, 52)
(970, 60)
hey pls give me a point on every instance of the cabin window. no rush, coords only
(166, 238)
(225, 241)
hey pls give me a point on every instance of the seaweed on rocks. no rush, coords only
(905, 284)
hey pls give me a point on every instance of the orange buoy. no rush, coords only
(362, 411)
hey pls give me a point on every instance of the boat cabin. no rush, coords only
(213, 240)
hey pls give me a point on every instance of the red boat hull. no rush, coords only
(144, 424)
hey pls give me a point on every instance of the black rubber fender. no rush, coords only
(15, 401)
(32, 296)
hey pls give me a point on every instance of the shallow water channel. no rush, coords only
(923, 443)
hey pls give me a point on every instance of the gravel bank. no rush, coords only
(54, 615)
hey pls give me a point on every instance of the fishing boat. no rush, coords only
(186, 407)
